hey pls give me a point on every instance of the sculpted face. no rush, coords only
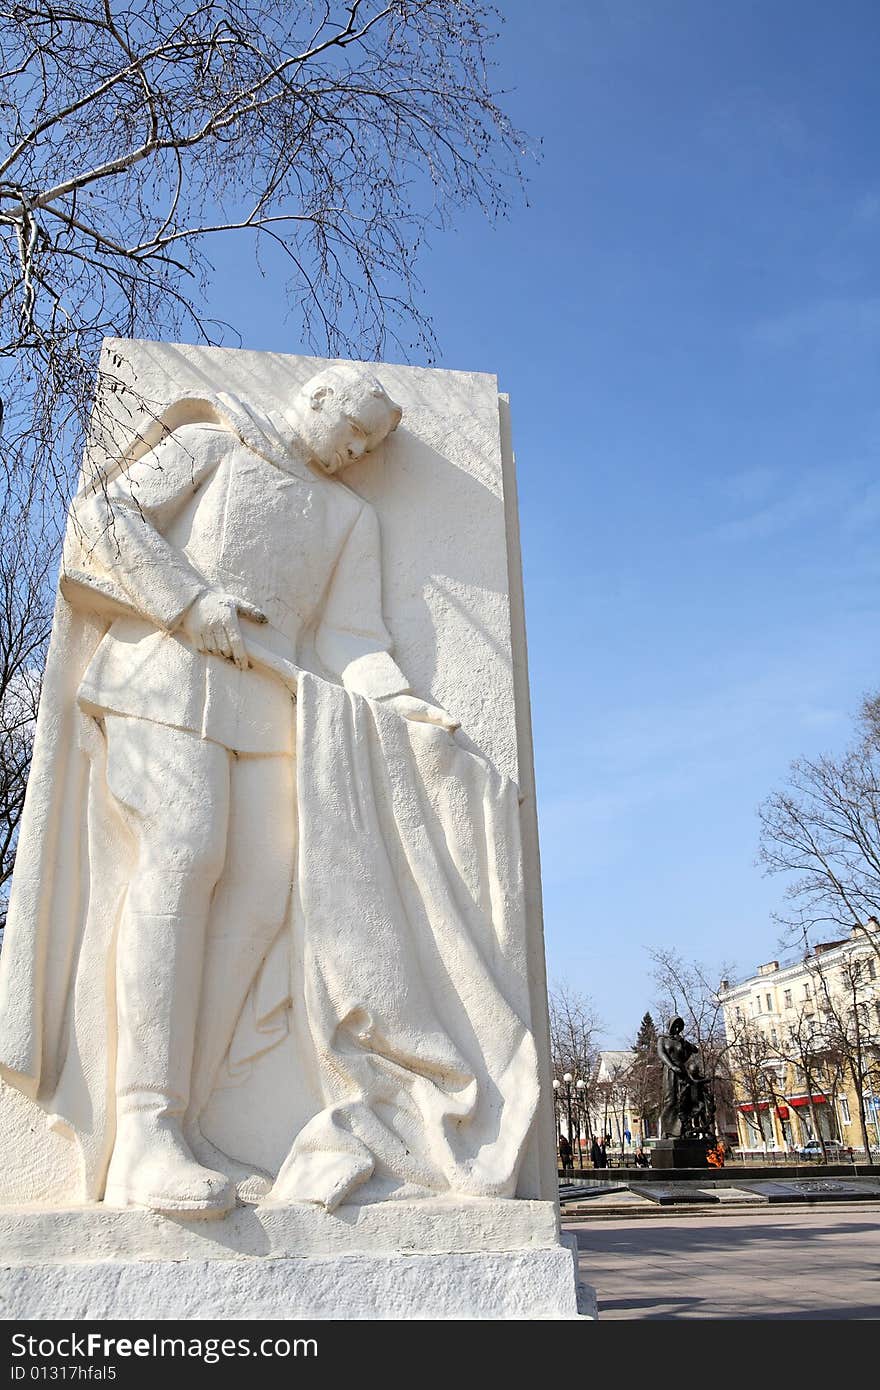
(341, 415)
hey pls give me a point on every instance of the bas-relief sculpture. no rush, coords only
(247, 824)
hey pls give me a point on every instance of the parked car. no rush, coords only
(833, 1148)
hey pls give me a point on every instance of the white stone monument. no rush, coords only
(273, 1030)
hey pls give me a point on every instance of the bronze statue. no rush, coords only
(688, 1109)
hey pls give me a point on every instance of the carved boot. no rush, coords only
(158, 975)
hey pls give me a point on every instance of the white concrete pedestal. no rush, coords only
(418, 1260)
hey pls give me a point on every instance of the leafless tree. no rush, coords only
(690, 989)
(333, 138)
(804, 1045)
(575, 1029)
(850, 1030)
(822, 831)
(137, 130)
(646, 1077)
(25, 614)
(749, 1059)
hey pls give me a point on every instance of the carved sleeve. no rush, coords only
(352, 639)
(119, 526)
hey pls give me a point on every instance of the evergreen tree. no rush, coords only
(646, 1038)
(646, 1077)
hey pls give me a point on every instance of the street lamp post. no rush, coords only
(567, 1078)
(580, 1087)
(872, 1107)
(562, 1105)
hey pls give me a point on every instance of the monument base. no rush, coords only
(681, 1153)
(493, 1260)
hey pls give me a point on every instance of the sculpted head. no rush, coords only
(341, 414)
(676, 1026)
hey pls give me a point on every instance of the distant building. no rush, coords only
(601, 1103)
(801, 1035)
(612, 1102)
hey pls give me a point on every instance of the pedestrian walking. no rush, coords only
(565, 1153)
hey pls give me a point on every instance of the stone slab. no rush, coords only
(500, 1285)
(609, 1201)
(728, 1196)
(388, 1260)
(673, 1194)
(813, 1190)
(53, 1235)
(577, 1192)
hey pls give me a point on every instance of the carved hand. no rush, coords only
(211, 624)
(410, 707)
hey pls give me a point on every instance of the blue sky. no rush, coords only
(687, 319)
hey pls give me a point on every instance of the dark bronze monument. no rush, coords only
(687, 1116)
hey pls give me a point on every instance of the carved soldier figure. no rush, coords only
(225, 532)
(199, 853)
(212, 540)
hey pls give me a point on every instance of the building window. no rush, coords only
(872, 969)
(787, 998)
(807, 990)
(773, 1037)
(769, 1003)
(844, 1110)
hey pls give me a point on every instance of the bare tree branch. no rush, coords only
(822, 832)
(133, 130)
(692, 991)
(25, 617)
(336, 138)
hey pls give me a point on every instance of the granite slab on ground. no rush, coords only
(813, 1190)
(674, 1194)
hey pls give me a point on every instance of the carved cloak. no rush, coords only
(408, 925)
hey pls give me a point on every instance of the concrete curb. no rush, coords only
(583, 1216)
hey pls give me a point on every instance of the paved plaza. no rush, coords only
(820, 1263)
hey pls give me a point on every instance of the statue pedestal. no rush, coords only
(681, 1153)
(487, 1260)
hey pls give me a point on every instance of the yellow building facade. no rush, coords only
(803, 1048)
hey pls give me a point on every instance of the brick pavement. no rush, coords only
(819, 1262)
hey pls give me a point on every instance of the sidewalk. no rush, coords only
(821, 1262)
